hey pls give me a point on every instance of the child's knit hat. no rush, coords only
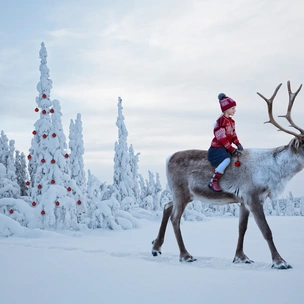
(226, 102)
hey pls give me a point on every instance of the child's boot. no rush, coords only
(214, 182)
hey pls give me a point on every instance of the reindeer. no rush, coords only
(263, 174)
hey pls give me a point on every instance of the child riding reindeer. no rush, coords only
(221, 149)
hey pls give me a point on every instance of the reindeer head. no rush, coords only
(297, 144)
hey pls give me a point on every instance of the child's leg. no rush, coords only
(218, 172)
(222, 166)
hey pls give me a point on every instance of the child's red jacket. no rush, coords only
(224, 134)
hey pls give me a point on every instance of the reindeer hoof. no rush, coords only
(281, 265)
(156, 252)
(244, 260)
(187, 259)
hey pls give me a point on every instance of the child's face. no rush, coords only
(230, 112)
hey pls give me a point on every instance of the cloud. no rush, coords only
(168, 61)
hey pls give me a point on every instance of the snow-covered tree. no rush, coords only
(290, 205)
(4, 149)
(150, 192)
(104, 207)
(11, 169)
(154, 190)
(78, 179)
(301, 206)
(8, 188)
(123, 178)
(76, 156)
(194, 211)
(100, 212)
(143, 193)
(51, 189)
(43, 125)
(165, 197)
(21, 172)
(7, 158)
(134, 159)
(13, 213)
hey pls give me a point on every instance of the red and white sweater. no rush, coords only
(224, 134)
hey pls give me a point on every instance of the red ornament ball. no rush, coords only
(57, 203)
(44, 136)
(66, 155)
(43, 212)
(34, 132)
(27, 183)
(29, 157)
(54, 134)
(36, 110)
(69, 188)
(34, 204)
(39, 186)
(237, 163)
(43, 160)
(52, 181)
(43, 112)
(43, 95)
(52, 111)
(11, 211)
(53, 161)
(79, 202)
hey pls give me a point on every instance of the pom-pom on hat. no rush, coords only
(221, 96)
(226, 102)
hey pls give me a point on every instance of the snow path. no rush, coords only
(118, 267)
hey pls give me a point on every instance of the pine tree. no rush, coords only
(301, 206)
(43, 125)
(123, 179)
(78, 178)
(4, 150)
(48, 161)
(101, 211)
(165, 197)
(76, 156)
(154, 189)
(134, 159)
(8, 188)
(21, 173)
(11, 169)
(290, 205)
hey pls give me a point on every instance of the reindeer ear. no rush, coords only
(294, 145)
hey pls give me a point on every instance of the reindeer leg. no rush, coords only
(240, 257)
(158, 242)
(277, 261)
(175, 219)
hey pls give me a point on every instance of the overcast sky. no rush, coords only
(167, 60)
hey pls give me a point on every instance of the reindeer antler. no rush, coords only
(292, 97)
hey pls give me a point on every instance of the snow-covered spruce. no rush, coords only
(52, 190)
(21, 173)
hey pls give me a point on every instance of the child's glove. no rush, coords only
(236, 152)
(240, 147)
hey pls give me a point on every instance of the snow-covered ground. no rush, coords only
(98, 266)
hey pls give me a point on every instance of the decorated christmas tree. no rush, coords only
(50, 185)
